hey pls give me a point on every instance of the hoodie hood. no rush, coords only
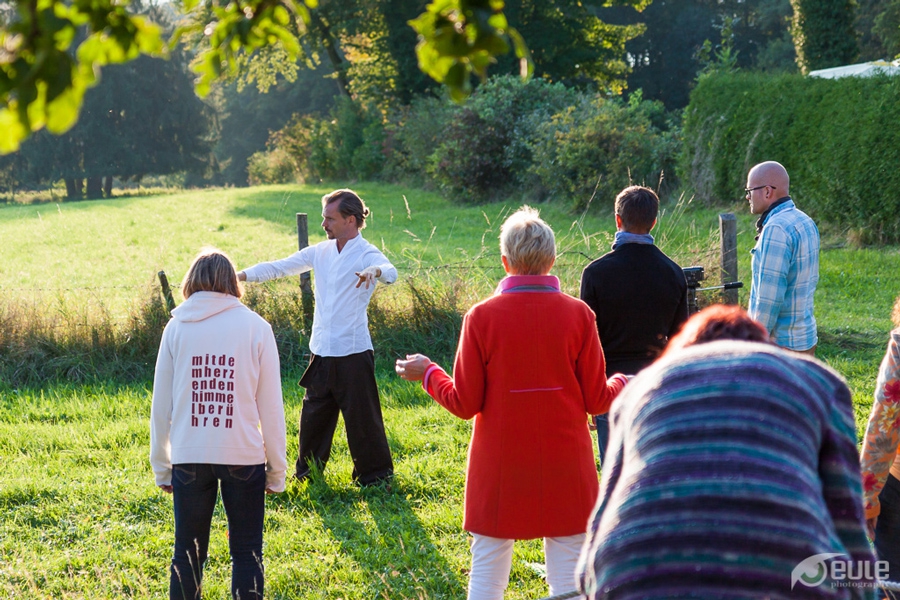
(203, 305)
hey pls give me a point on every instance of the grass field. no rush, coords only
(80, 516)
(104, 250)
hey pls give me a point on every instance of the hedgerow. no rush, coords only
(838, 139)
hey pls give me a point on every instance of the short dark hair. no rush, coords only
(350, 205)
(638, 207)
(718, 322)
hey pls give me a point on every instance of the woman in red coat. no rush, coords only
(529, 368)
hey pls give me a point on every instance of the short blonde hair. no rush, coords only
(211, 271)
(528, 243)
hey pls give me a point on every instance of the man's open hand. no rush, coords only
(368, 276)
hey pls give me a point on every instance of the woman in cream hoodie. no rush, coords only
(217, 419)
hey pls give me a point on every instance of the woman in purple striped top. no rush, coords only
(732, 473)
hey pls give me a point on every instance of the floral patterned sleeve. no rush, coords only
(883, 431)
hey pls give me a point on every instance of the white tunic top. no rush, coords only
(340, 323)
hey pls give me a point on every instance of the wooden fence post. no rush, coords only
(306, 293)
(166, 291)
(728, 246)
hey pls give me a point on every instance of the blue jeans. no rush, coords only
(602, 423)
(194, 489)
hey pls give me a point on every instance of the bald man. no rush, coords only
(784, 262)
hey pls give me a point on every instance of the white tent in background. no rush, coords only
(868, 69)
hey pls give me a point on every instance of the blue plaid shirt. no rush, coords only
(785, 271)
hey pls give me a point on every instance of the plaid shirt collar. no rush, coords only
(762, 218)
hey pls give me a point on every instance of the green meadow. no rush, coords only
(103, 250)
(80, 516)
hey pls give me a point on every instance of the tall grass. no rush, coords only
(64, 341)
(41, 343)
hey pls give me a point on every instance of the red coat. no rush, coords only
(529, 368)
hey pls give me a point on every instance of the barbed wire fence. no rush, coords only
(486, 268)
(484, 263)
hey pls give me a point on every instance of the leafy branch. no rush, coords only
(43, 81)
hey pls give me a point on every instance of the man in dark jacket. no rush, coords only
(638, 294)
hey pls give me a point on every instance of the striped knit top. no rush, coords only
(729, 464)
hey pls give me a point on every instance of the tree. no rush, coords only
(143, 118)
(369, 41)
(666, 58)
(43, 84)
(570, 43)
(663, 59)
(776, 49)
(887, 27)
(878, 27)
(823, 33)
(247, 116)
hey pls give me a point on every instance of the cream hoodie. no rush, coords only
(217, 391)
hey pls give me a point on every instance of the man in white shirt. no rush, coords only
(340, 377)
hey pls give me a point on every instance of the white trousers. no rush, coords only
(492, 561)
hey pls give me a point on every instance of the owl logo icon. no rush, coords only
(812, 571)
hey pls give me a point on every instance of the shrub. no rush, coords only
(412, 136)
(510, 138)
(486, 150)
(273, 166)
(600, 146)
(348, 145)
(520, 109)
(465, 163)
(837, 138)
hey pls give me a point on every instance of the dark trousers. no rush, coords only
(345, 385)
(194, 491)
(887, 528)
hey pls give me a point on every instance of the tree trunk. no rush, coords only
(79, 187)
(107, 186)
(94, 188)
(331, 49)
(71, 189)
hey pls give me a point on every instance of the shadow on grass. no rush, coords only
(16, 498)
(378, 530)
(846, 339)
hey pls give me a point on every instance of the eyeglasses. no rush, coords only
(748, 191)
